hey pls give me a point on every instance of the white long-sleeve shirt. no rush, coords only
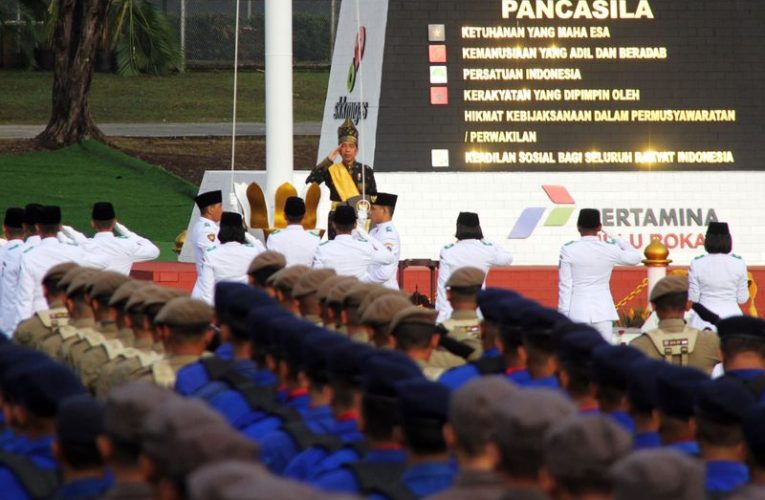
(350, 256)
(719, 282)
(386, 275)
(118, 252)
(584, 276)
(226, 262)
(483, 254)
(296, 244)
(204, 234)
(10, 266)
(35, 263)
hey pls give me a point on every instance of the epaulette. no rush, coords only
(14, 247)
(276, 231)
(487, 243)
(248, 245)
(92, 337)
(569, 243)
(611, 242)
(122, 237)
(67, 331)
(28, 249)
(210, 249)
(314, 232)
(448, 246)
(163, 374)
(736, 256)
(112, 348)
(700, 256)
(324, 243)
(363, 240)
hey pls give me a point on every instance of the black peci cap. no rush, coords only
(720, 228)
(231, 219)
(209, 198)
(103, 210)
(345, 215)
(50, 215)
(32, 213)
(14, 217)
(294, 207)
(384, 199)
(589, 218)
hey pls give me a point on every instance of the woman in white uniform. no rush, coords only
(718, 279)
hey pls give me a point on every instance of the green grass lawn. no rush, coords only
(148, 200)
(186, 97)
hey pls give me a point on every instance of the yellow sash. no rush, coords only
(343, 182)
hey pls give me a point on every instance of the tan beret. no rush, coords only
(135, 302)
(374, 294)
(58, 271)
(122, 294)
(162, 296)
(80, 282)
(669, 284)
(287, 277)
(267, 259)
(128, 406)
(413, 316)
(382, 310)
(310, 282)
(105, 283)
(323, 291)
(355, 294)
(184, 311)
(183, 434)
(231, 480)
(337, 293)
(465, 277)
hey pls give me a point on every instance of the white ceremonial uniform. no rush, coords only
(204, 235)
(33, 240)
(482, 254)
(350, 256)
(296, 244)
(10, 265)
(584, 276)
(35, 262)
(387, 275)
(226, 262)
(119, 252)
(718, 282)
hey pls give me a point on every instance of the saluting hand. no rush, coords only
(331, 157)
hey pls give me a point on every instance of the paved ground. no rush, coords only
(166, 129)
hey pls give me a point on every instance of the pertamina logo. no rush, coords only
(559, 216)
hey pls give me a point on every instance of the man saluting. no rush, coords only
(348, 178)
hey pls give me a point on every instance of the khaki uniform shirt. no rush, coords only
(33, 331)
(431, 372)
(705, 354)
(124, 366)
(465, 327)
(163, 371)
(444, 360)
(476, 485)
(66, 333)
(104, 331)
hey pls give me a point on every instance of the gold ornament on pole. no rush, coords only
(656, 254)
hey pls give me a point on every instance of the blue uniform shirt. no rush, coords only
(724, 476)
(85, 489)
(225, 351)
(307, 461)
(297, 400)
(688, 447)
(429, 478)
(37, 450)
(623, 418)
(646, 441)
(343, 480)
(279, 448)
(461, 375)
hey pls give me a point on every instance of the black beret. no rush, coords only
(611, 364)
(49, 215)
(346, 362)
(423, 399)
(724, 401)
(14, 217)
(41, 386)
(384, 199)
(13, 355)
(294, 207)
(589, 218)
(80, 419)
(676, 388)
(469, 219)
(577, 346)
(345, 215)
(209, 198)
(32, 213)
(490, 302)
(641, 386)
(316, 351)
(231, 219)
(103, 210)
(741, 326)
(720, 228)
(385, 369)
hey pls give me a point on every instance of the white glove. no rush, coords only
(248, 238)
(73, 234)
(63, 238)
(121, 229)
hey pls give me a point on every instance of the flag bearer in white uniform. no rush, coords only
(31, 214)
(204, 234)
(296, 244)
(228, 261)
(584, 274)
(718, 279)
(349, 255)
(118, 252)
(471, 249)
(383, 206)
(10, 265)
(36, 261)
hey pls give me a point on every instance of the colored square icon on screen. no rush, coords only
(438, 75)
(437, 54)
(439, 158)
(439, 96)
(436, 33)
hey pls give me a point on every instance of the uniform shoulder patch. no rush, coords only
(389, 229)
(211, 237)
(163, 374)
(207, 224)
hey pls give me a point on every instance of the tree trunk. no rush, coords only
(78, 30)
